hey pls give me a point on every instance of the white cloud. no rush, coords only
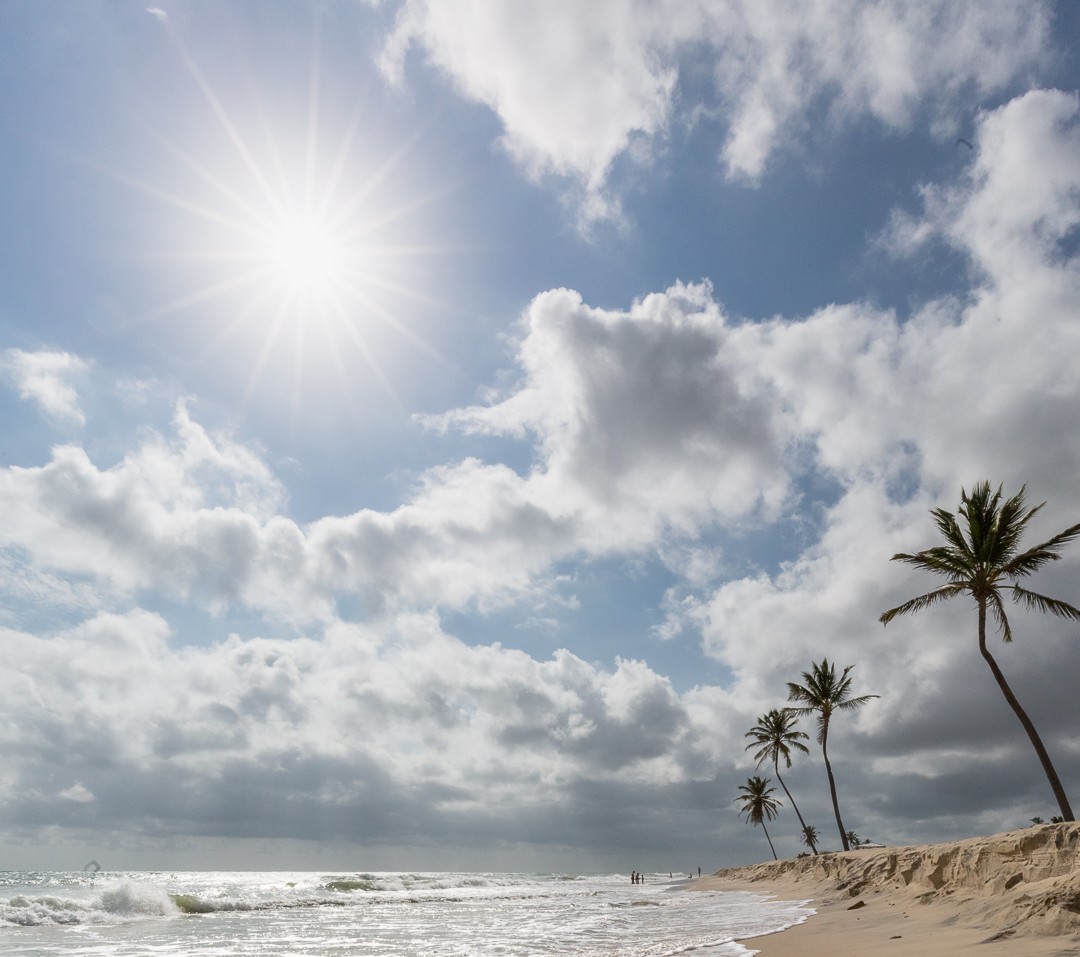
(77, 792)
(572, 82)
(578, 85)
(183, 518)
(45, 378)
(641, 418)
(838, 60)
(403, 733)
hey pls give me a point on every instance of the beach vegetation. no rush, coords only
(776, 736)
(823, 694)
(981, 558)
(758, 805)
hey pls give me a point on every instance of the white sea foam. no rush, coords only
(370, 915)
(132, 900)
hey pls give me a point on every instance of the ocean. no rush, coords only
(280, 914)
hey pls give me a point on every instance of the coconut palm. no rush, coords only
(823, 694)
(810, 837)
(981, 558)
(775, 736)
(758, 804)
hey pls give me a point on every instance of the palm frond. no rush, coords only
(922, 601)
(997, 608)
(1036, 602)
(1034, 558)
(940, 560)
(1010, 523)
(852, 703)
(950, 529)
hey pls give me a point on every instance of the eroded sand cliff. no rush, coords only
(1021, 882)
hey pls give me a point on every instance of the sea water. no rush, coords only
(278, 914)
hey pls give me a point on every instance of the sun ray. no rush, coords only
(296, 252)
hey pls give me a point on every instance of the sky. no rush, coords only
(436, 430)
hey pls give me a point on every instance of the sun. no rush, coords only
(305, 255)
(308, 258)
(293, 239)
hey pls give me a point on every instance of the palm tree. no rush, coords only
(759, 804)
(822, 694)
(810, 837)
(981, 558)
(775, 735)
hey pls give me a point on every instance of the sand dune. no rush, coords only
(1016, 894)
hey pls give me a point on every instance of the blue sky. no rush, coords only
(436, 431)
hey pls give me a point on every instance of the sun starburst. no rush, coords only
(295, 243)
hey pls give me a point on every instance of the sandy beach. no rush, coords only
(1014, 895)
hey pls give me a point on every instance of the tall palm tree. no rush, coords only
(759, 804)
(775, 736)
(981, 558)
(823, 694)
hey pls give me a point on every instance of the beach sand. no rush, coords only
(1013, 895)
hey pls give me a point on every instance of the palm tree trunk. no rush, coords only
(1029, 727)
(794, 806)
(769, 839)
(832, 787)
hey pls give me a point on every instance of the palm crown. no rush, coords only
(757, 801)
(775, 735)
(823, 693)
(982, 556)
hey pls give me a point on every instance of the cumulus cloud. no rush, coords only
(571, 83)
(46, 378)
(642, 419)
(181, 517)
(401, 735)
(577, 86)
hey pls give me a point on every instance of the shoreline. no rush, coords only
(1013, 895)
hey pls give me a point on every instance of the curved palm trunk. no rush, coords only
(832, 787)
(1029, 727)
(794, 806)
(769, 839)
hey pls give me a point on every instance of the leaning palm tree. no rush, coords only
(775, 735)
(758, 804)
(822, 694)
(981, 558)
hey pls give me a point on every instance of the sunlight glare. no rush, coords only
(300, 241)
(307, 257)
